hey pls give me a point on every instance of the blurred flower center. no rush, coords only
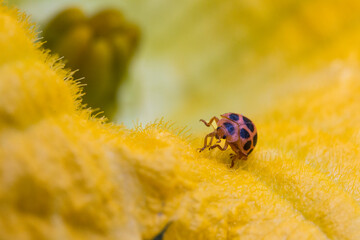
(101, 47)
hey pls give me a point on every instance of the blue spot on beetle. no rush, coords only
(247, 145)
(255, 139)
(248, 123)
(250, 126)
(246, 120)
(230, 128)
(234, 117)
(244, 134)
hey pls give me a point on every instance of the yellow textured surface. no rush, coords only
(64, 174)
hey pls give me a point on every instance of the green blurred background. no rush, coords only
(196, 59)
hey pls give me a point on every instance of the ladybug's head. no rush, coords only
(227, 130)
(220, 133)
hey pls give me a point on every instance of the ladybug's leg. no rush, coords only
(211, 140)
(211, 120)
(205, 140)
(219, 147)
(242, 156)
(233, 157)
(232, 162)
(238, 155)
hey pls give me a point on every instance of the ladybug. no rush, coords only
(239, 132)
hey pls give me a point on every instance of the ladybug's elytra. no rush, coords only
(239, 132)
